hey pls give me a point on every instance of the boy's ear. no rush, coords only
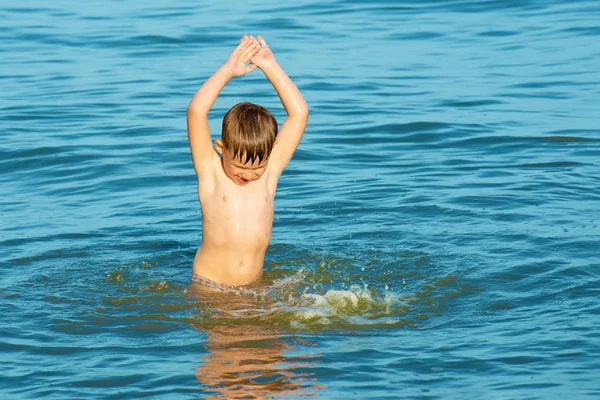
(219, 146)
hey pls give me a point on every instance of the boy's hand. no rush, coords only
(264, 56)
(237, 61)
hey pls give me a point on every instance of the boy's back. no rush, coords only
(237, 189)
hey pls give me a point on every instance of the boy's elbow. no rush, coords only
(196, 109)
(192, 110)
(302, 110)
(305, 110)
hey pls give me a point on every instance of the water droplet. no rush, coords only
(386, 287)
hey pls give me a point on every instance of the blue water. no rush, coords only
(436, 235)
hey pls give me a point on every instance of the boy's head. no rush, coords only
(248, 136)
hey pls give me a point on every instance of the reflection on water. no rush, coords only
(443, 202)
(247, 360)
(260, 339)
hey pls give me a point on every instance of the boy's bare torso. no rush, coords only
(236, 192)
(236, 226)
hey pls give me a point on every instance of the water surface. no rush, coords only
(436, 234)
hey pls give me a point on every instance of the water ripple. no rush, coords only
(443, 201)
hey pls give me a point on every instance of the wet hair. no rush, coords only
(249, 130)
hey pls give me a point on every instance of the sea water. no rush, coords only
(436, 235)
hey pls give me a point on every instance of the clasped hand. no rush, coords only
(257, 52)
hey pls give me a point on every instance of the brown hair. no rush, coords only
(249, 130)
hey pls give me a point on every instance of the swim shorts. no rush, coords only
(214, 285)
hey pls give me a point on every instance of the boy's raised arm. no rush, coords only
(293, 127)
(203, 100)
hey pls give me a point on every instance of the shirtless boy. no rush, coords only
(237, 182)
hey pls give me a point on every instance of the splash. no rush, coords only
(352, 308)
(356, 291)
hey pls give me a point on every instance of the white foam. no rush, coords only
(316, 309)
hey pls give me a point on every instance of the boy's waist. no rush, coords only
(227, 268)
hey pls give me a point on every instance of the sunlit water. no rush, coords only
(436, 234)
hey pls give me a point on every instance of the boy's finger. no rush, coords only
(262, 41)
(242, 45)
(243, 40)
(251, 51)
(243, 52)
(248, 43)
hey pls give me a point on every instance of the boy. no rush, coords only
(236, 187)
